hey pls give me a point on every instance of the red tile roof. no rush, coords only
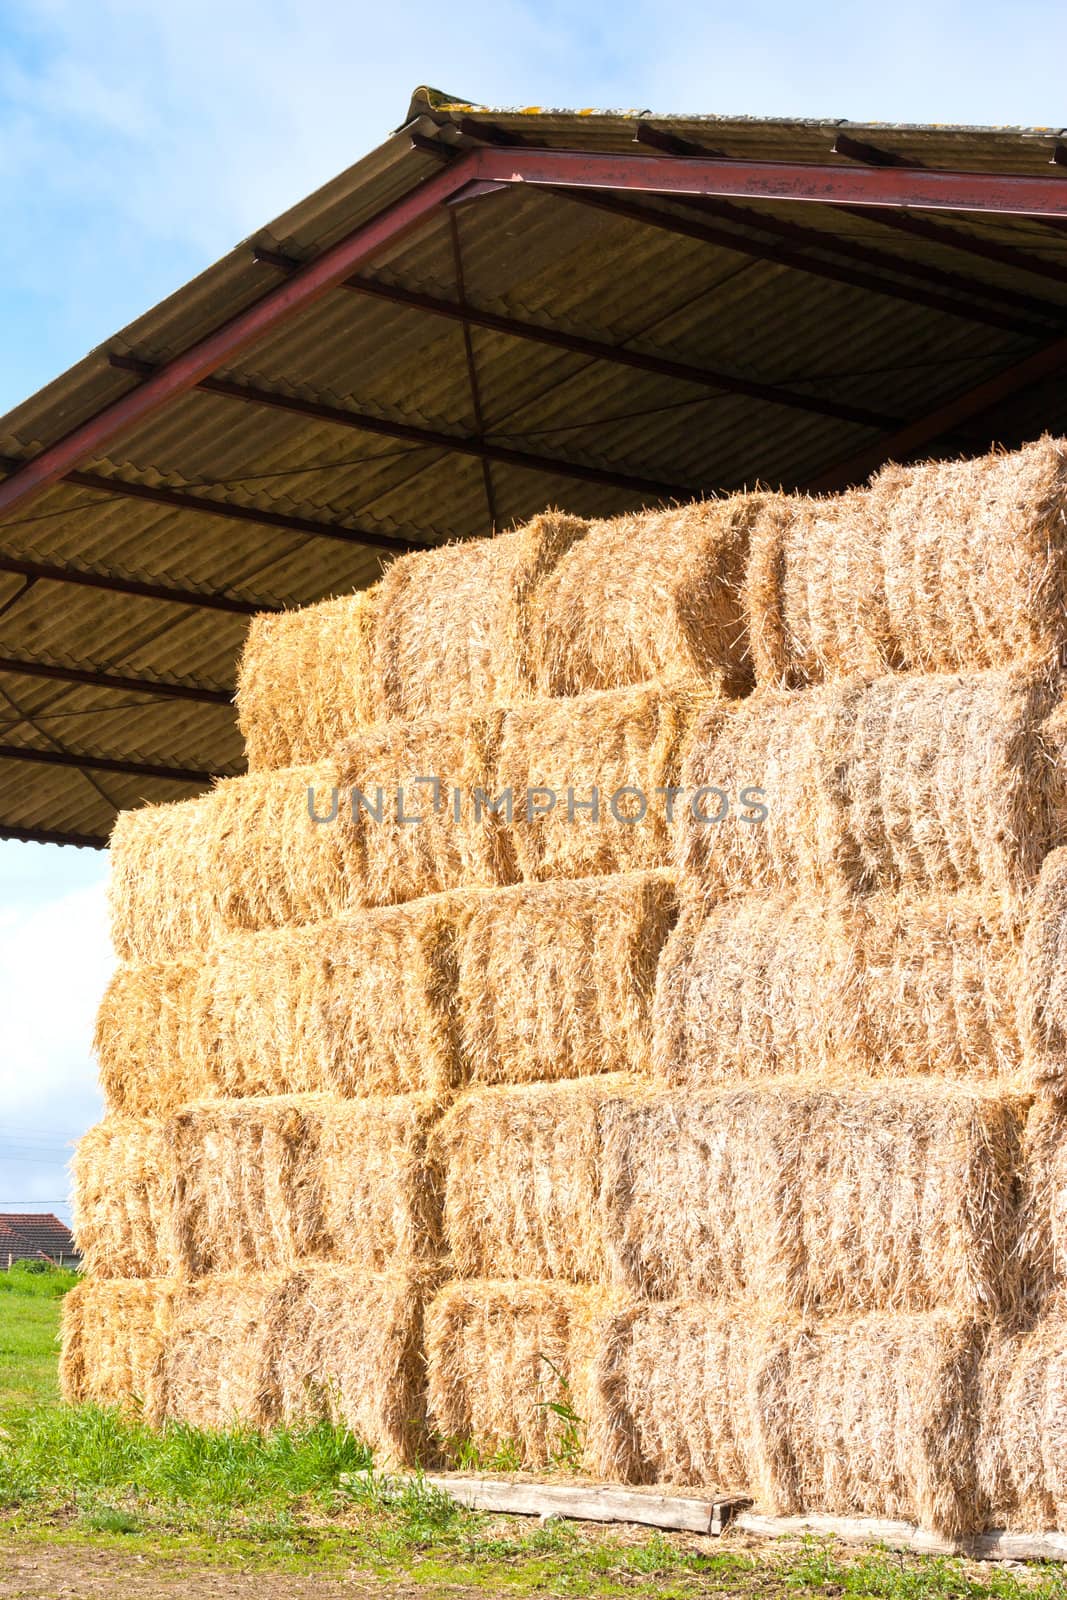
(26, 1235)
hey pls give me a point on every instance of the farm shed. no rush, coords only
(608, 459)
(495, 312)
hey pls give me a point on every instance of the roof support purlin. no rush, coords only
(142, 588)
(1012, 194)
(480, 449)
(597, 349)
(98, 678)
(127, 768)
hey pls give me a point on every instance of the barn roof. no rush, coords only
(29, 1236)
(492, 312)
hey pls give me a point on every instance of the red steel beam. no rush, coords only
(97, 678)
(433, 438)
(926, 189)
(916, 435)
(598, 349)
(129, 769)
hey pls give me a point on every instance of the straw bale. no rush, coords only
(144, 1035)
(260, 1185)
(420, 768)
(500, 1356)
(1043, 978)
(266, 1184)
(922, 782)
(555, 980)
(351, 1350)
(522, 1180)
(814, 1199)
(245, 855)
(771, 984)
(453, 624)
(1043, 1206)
(306, 680)
(294, 1347)
(123, 1200)
(653, 594)
(799, 1197)
(941, 567)
(609, 740)
(114, 1344)
(1022, 1445)
(868, 1416)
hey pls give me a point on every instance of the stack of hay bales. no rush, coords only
(722, 1152)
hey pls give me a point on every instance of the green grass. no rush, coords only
(307, 1500)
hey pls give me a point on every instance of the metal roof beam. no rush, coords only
(597, 349)
(128, 768)
(480, 449)
(57, 572)
(83, 841)
(915, 436)
(861, 250)
(795, 182)
(694, 227)
(97, 678)
(182, 500)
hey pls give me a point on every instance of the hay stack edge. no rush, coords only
(705, 1130)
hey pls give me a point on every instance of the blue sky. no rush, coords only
(139, 141)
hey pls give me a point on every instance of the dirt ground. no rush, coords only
(73, 1572)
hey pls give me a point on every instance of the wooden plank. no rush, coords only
(682, 1514)
(996, 1545)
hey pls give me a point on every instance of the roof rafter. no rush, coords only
(412, 433)
(111, 583)
(597, 349)
(128, 767)
(99, 678)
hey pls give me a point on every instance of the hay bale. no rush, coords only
(249, 855)
(904, 782)
(941, 567)
(246, 855)
(609, 741)
(114, 1337)
(522, 1180)
(260, 1185)
(453, 624)
(296, 1347)
(769, 985)
(810, 1199)
(1043, 1207)
(549, 980)
(124, 1201)
(428, 770)
(1022, 1443)
(653, 594)
(1043, 978)
(555, 980)
(504, 1360)
(682, 1387)
(351, 1350)
(874, 1416)
(796, 1197)
(305, 680)
(144, 1039)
